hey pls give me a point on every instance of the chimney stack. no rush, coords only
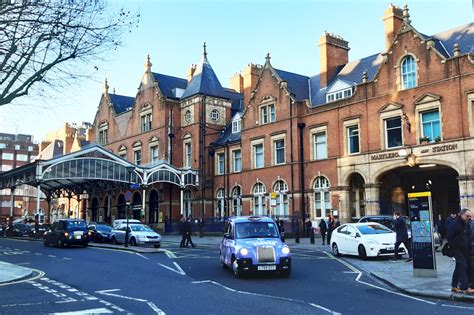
(393, 20)
(333, 52)
(237, 82)
(191, 71)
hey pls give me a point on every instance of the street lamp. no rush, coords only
(130, 169)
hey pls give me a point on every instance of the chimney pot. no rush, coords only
(334, 52)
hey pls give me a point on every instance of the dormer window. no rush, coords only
(236, 125)
(338, 95)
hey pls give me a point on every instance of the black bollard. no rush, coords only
(311, 236)
(297, 236)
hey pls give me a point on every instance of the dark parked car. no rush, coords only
(68, 232)
(19, 229)
(42, 228)
(100, 232)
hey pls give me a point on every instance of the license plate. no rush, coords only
(78, 237)
(269, 267)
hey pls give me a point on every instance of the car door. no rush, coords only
(120, 235)
(228, 243)
(50, 237)
(352, 241)
(340, 239)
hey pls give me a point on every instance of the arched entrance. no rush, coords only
(356, 195)
(121, 207)
(440, 180)
(153, 202)
(94, 209)
(137, 206)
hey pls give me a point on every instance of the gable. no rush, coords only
(338, 85)
(391, 107)
(427, 98)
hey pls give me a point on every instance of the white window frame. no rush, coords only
(234, 159)
(104, 136)
(154, 158)
(237, 201)
(338, 95)
(275, 153)
(135, 154)
(236, 125)
(321, 186)
(386, 131)
(220, 207)
(282, 203)
(267, 113)
(188, 198)
(220, 168)
(259, 199)
(314, 133)
(254, 153)
(431, 122)
(188, 154)
(145, 122)
(215, 115)
(414, 72)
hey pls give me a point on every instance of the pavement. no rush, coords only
(11, 273)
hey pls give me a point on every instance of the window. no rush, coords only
(259, 200)
(30, 148)
(353, 139)
(188, 203)
(220, 164)
(236, 125)
(237, 159)
(7, 156)
(408, 72)
(187, 116)
(215, 116)
(146, 122)
(258, 159)
(187, 154)
(17, 147)
(281, 189)
(236, 201)
(322, 203)
(431, 125)
(279, 146)
(123, 155)
(334, 96)
(320, 146)
(22, 157)
(103, 137)
(267, 114)
(220, 209)
(137, 157)
(154, 153)
(393, 132)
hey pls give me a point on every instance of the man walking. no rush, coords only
(187, 231)
(459, 239)
(402, 235)
(323, 228)
(181, 230)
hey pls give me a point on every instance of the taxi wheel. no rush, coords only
(235, 268)
(285, 273)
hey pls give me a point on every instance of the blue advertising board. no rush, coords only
(421, 219)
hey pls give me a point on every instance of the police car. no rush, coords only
(253, 244)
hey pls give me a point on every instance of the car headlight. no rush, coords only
(244, 251)
(285, 250)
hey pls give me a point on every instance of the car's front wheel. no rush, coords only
(60, 243)
(335, 250)
(362, 252)
(114, 240)
(133, 241)
(235, 268)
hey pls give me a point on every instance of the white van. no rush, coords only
(120, 222)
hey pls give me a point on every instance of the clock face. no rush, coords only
(215, 115)
(187, 116)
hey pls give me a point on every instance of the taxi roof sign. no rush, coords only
(256, 218)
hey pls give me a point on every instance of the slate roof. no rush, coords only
(205, 82)
(121, 103)
(237, 100)
(168, 83)
(227, 135)
(463, 35)
(297, 83)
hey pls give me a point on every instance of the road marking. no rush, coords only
(266, 295)
(67, 258)
(372, 285)
(24, 263)
(89, 311)
(169, 253)
(150, 304)
(138, 254)
(52, 256)
(38, 254)
(178, 269)
(458, 306)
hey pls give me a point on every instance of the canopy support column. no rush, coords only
(38, 196)
(12, 193)
(143, 203)
(181, 198)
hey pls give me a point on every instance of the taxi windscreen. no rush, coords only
(256, 230)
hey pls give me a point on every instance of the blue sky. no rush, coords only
(237, 33)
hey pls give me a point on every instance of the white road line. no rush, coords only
(89, 311)
(169, 253)
(150, 304)
(52, 256)
(372, 285)
(266, 295)
(178, 269)
(458, 306)
(67, 258)
(38, 254)
(138, 254)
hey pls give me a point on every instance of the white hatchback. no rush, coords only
(364, 240)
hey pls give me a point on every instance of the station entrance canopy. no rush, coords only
(93, 169)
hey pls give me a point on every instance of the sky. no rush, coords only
(237, 33)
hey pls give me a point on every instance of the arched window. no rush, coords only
(220, 209)
(237, 201)
(187, 116)
(188, 202)
(281, 189)
(259, 200)
(408, 69)
(322, 202)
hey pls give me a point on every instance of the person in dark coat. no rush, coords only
(323, 228)
(331, 226)
(201, 226)
(452, 216)
(308, 226)
(441, 226)
(181, 230)
(459, 239)
(402, 235)
(187, 227)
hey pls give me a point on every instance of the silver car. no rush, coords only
(138, 234)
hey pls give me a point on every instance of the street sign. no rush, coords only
(128, 196)
(134, 186)
(421, 218)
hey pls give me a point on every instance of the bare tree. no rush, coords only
(43, 41)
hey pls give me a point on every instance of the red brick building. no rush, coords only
(354, 139)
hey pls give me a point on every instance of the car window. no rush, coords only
(255, 230)
(373, 229)
(342, 229)
(363, 220)
(103, 228)
(351, 231)
(76, 224)
(138, 228)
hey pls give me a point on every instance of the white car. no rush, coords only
(138, 234)
(364, 240)
(120, 222)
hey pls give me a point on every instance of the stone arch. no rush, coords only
(313, 180)
(347, 177)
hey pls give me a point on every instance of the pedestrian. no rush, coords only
(440, 227)
(201, 226)
(308, 225)
(281, 228)
(452, 216)
(4, 230)
(338, 224)
(459, 240)
(401, 235)
(187, 231)
(181, 230)
(331, 226)
(323, 228)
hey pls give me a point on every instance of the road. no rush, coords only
(191, 281)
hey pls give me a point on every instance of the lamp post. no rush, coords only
(130, 169)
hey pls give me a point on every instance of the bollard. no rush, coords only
(297, 236)
(311, 236)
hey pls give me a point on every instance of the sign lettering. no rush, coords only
(384, 156)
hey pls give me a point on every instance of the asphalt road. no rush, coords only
(191, 281)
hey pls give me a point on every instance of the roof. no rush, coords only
(205, 82)
(247, 219)
(228, 137)
(297, 83)
(236, 98)
(167, 84)
(52, 150)
(121, 103)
